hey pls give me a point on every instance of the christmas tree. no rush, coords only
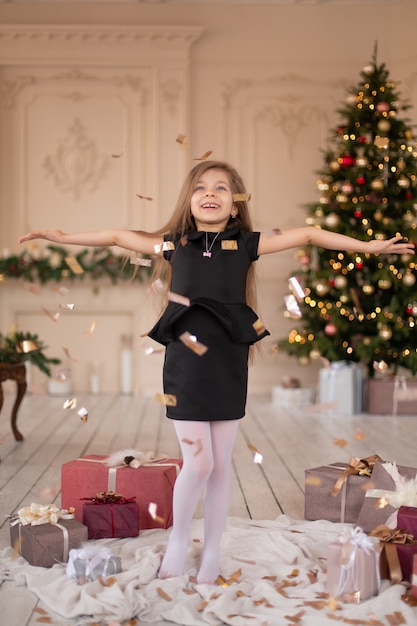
(360, 307)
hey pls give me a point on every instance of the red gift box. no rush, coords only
(153, 482)
(398, 550)
(407, 519)
(111, 517)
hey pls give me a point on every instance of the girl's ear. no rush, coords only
(234, 211)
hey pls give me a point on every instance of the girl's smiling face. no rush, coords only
(212, 201)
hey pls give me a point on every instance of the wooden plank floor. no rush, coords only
(289, 440)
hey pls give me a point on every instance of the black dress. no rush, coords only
(212, 386)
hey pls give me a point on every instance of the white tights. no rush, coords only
(207, 451)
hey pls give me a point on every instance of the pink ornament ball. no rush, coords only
(330, 329)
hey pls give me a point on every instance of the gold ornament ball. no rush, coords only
(403, 182)
(361, 161)
(378, 215)
(304, 360)
(340, 282)
(368, 289)
(377, 184)
(384, 283)
(366, 341)
(409, 279)
(385, 333)
(334, 166)
(414, 309)
(314, 354)
(332, 220)
(321, 287)
(384, 125)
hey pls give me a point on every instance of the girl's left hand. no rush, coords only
(391, 246)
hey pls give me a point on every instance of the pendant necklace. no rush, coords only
(207, 251)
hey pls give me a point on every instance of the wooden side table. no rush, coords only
(17, 372)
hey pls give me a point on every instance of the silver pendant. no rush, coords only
(207, 253)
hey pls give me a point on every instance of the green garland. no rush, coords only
(13, 350)
(55, 263)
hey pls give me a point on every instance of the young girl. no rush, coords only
(206, 253)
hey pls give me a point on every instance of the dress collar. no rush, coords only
(229, 233)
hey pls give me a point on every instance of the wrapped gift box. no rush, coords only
(407, 519)
(371, 515)
(88, 564)
(85, 477)
(392, 396)
(46, 544)
(353, 565)
(288, 398)
(341, 385)
(319, 503)
(111, 519)
(398, 550)
(414, 577)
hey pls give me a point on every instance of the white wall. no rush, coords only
(258, 85)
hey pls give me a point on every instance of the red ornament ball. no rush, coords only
(362, 139)
(358, 213)
(361, 180)
(408, 195)
(330, 329)
(347, 161)
(409, 309)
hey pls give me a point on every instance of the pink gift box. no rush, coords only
(352, 569)
(85, 477)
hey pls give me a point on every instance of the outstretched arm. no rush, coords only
(136, 240)
(309, 235)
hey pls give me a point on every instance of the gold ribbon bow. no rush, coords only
(363, 467)
(37, 514)
(390, 562)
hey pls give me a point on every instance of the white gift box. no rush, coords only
(340, 386)
(292, 397)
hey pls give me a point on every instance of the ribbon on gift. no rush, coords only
(389, 537)
(37, 514)
(405, 493)
(109, 497)
(363, 467)
(353, 539)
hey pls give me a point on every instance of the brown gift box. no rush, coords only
(46, 544)
(319, 503)
(390, 396)
(371, 515)
(361, 576)
(85, 477)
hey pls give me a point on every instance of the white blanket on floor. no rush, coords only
(260, 549)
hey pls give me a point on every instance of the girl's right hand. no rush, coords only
(50, 235)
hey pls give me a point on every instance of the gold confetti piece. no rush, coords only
(381, 503)
(235, 576)
(252, 448)
(54, 316)
(380, 366)
(152, 509)
(39, 610)
(381, 142)
(296, 287)
(359, 435)
(90, 331)
(229, 244)
(44, 620)
(315, 604)
(241, 197)
(296, 619)
(166, 398)
(63, 291)
(263, 601)
(63, 374)
(163, 247)
(83, 414)
(409, 599)
(181, 140)
(156, 286)
(340, 442)
(26, 346)
(333, 604)
(272, 578)
(294, 574)
(144, 197)
(67, 307)
(106, 582)
(150, 349)
(240, 594)
(312, 576)
(259, 326)
(17, 546)
(192, 343)
(70, 403)
(163, 594)
(66, 350)
(204, 156)
(313, 481)
(201, 606)
(74, 265)
(176, 297)
(138, 260)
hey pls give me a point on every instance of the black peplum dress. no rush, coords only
(212, 386)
